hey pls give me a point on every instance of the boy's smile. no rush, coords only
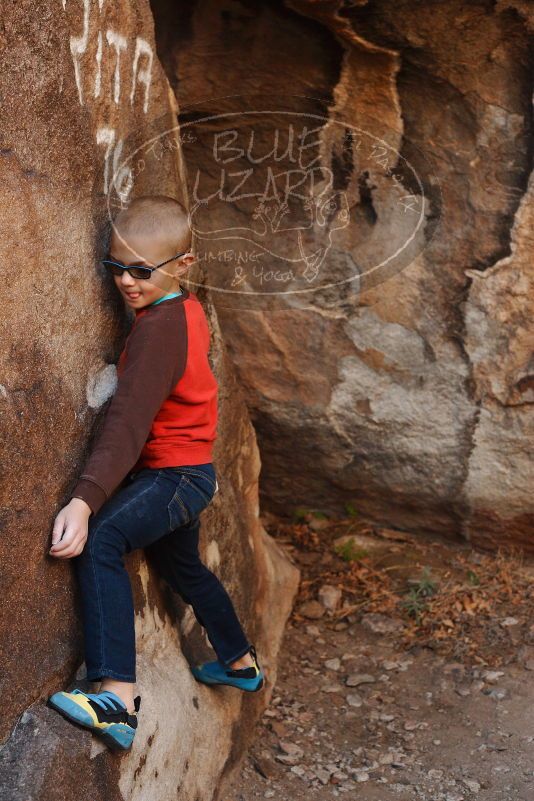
(147, 252)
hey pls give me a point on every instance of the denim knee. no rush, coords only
(104, 545)
(106, 542)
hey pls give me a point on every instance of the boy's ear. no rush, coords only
(187, 260)
(185, 264)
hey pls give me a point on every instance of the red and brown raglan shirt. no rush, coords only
(164, 410)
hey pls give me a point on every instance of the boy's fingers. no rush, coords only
(71, 552)
(68, 534)
(70, 543)
(59, 527)
(67, 555)
(66, 541)
(79, 549)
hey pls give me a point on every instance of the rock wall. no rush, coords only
(385, 344)
(82, 91)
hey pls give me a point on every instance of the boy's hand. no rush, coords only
(69, 533)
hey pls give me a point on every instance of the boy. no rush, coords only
(158, 433)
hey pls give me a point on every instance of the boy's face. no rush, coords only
(146, 251)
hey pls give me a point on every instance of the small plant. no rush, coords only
(350, 552)
(421, 588)
(413, 604)
(425, 585)
(473, 578)
(351, 510)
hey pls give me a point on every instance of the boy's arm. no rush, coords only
(156, 353)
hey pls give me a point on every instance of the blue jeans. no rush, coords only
(158, 510)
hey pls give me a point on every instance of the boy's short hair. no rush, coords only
(155, 215)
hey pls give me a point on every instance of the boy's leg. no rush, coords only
(177, 559)
(132, 518)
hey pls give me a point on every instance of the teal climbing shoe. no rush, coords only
(249, 679)
(103, 713)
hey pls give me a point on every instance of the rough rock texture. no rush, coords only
(81, 88)
(499, 316)
(404, 388)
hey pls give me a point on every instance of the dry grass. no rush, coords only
(447, 596)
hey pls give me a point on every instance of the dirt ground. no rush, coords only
(406, 671)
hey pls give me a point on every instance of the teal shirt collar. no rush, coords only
(166, 297)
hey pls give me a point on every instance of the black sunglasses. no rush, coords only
(137, 270)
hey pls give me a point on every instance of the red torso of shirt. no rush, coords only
(184, 429)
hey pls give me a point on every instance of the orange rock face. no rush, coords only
(364, 215)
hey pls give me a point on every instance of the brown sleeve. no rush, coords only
(155, 359)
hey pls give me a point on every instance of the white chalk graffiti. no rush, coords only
(78, 46)
(141, 75)
(142, 48)
(98, 57)
(141, 65)
(123, 179)
(119, 42)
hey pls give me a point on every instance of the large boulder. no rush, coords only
(393, 369)
(81, 88)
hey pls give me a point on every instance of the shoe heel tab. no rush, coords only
(254, 655)
(137, 702)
